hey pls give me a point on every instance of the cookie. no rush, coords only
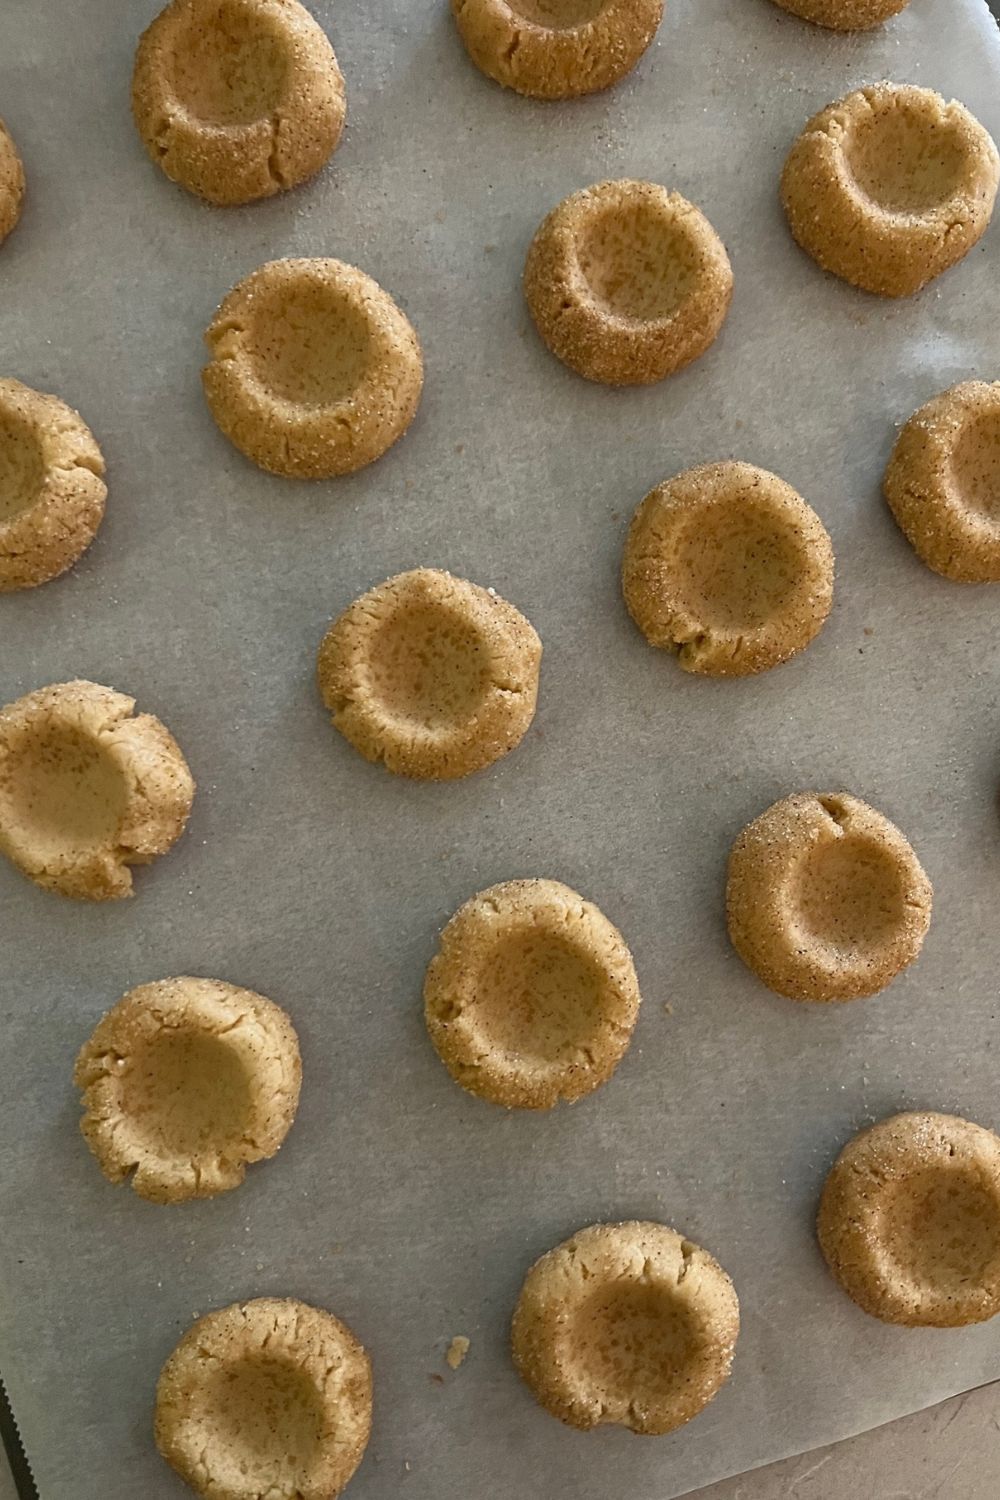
(628, 1324)
(890, 186)
(87, 790)
(844, 15)
(52, 488)
(237, 99)
(430, 675)
(627, 282)
(314, 370)
(825, 898)
(556, 49)
(184, 1081)
(11, 183)
(909, 1221)
(532, 996)
(265, 1399)
(728, 568)
(943, 482)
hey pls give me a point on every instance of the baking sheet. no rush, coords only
(409, 1208)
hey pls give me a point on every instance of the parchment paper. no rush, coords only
(409, 1208)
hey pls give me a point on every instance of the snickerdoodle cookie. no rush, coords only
(265, 1399)
(237, 99)
(627, 282)
(532, 996)
(11, 183)
(87, 789)
(628, 1324)
(943, 482)
(729, 568)
(185, 1081)
(52, 488)
(844, 15)
(909, 1221)
(314, 371)
(556, 49)
(825, 898)
(890, 186)
(431, 675)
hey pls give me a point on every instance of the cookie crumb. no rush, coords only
(457, 1350)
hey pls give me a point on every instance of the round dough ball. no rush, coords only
(532, 996)
(237, 99)
(185, 1081)
(556, 49)
(11, 183)
(825, 898)
(909, 1221)
(729, 568)
(943, 482)
(265, 1399)
(52, 488)
(86, 789)
(314, 371)
(845, 15)
(628, 1324)
(627, 283)
(890, 186)
(430, 675)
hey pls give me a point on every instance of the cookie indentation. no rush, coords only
(431, 675)
(844, 15)
(87, 790)
(314, 371)
(825, 899)
(532, 996)
(185, 1081)
(52, 488)
(890, 186)
(909, 1220)
(237, 99)
(627, 282)
(11, 183)
(628, 1324)
(943, 482)
(556, 49)
(265, 1398)
(729, 568)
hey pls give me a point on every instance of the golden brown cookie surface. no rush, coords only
(556, 49)
(627, 282)
(825, 898)
(237, 99)
(52, 488)
(184, 1081)
(314, 370)
(943, 482)
(728, 567)
(890, 186)
(626, 1323)
(431, 675)
(264, 1399)
(909, 1221)
(532, 996)
(844, 15)
(88, 788)
(11, 183)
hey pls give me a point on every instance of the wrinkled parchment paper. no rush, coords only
(409, 1208)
